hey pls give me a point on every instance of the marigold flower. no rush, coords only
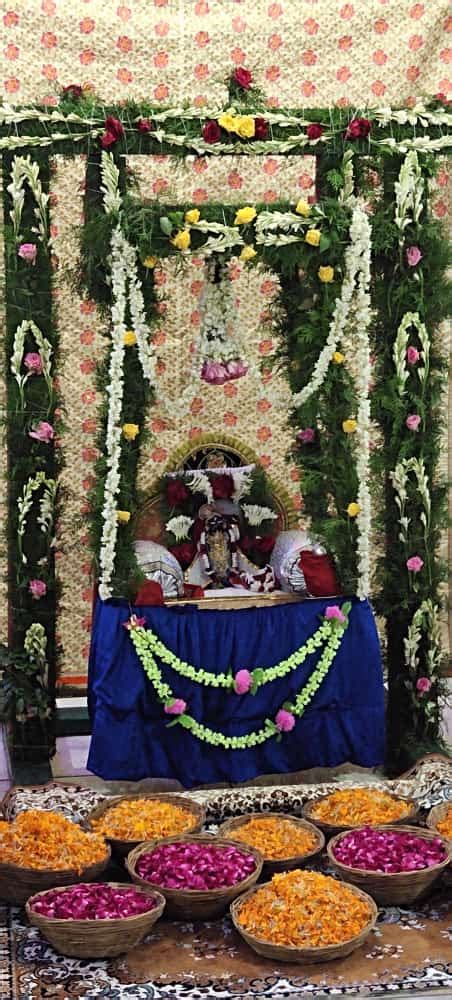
(144, 819)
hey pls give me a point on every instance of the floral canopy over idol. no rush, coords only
(362, 292)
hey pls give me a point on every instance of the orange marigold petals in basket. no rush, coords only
(444, 826)
(304, 909)
(143, 819)
(275, 838)
(366, 806)
(47, 840)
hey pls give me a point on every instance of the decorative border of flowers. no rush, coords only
(148, 646)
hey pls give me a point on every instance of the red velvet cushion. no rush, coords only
(320, 574)
(150, 592)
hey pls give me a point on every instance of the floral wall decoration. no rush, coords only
(361, 291)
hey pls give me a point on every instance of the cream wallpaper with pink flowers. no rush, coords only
(301, 52)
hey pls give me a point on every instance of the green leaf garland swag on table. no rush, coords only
(148, 645)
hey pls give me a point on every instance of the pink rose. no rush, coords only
(242, 682)
(42, 432)
(144, 125)
(214, 372)
(285, 721)
(33, 362)
(412, 355)
(414, 564)
(314, 131)
(177, 707)
(413, 421)
(358, 128)
(28, 252)
(334, 612)
(236, 369)
(413, 256)
(307, 436)
(37, 589)
(423, 684)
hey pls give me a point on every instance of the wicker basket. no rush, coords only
(435, 816)
(18, 884)
(389, 888)
(306, 956)
(332, 828)
(193, 904)
(272, 865)
(123, 847)
(96, 938)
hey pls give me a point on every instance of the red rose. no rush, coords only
(358, 128)
(113, 132)
(222, 487)
(184, 553)
(260, 128)
(243, 78)
(211, 132)
(314, 131)
(176, 492)
(144, 125)
(443, 98)
(74, 91)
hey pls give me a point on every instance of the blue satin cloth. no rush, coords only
(130, 735)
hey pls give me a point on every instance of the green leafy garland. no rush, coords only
(147, 645)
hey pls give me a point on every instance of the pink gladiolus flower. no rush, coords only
(412, 355)
(236, 369)
(242, 681)
(423, 684)
(214, 372)
(177, 707)
(37, 589)
(33, 362)
(413, 256)
(42, 432)
(334, 612)
(414, 564)
(285, 721)
(413, 421)
(28, 252)
(307, 436)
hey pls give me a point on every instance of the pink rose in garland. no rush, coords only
(242, 77)
(42, 432)
(334, 612)
(260, 128)
(414, 564)
(28, 252)
(412, 355)
(358, 128)
(144, 125)
(423, 685)
(37, 589)
(413, 422)
(285, 721)
(113, 132)
(177, 707)
(413, 256)
(211, 132)
(236, 369)
(242, 682)
(314, 131)
(307, 436)
(214, 372)
(33, 363)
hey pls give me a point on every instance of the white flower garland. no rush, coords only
(361, 324)
(24, 504)
(425, 621)
(400, 348)
(399, 479)
(45, 349)
(409, 192)
(25, 169)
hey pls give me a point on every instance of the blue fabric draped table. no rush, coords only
(131, 739)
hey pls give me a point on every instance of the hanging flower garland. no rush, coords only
(285, 719)
(35, 364)
(25, 169)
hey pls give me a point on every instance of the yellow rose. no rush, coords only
(130, 338)
(247, 253)
(150, 262)
(245, 215)
(193, 216)
(349, 426)
(244, 126)
(338, 358)
(353, 509)
(123, 516)
(313, 237)
(182, 239)
(326, 274)
(228, 122)
(302, 208)
(130, 431)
